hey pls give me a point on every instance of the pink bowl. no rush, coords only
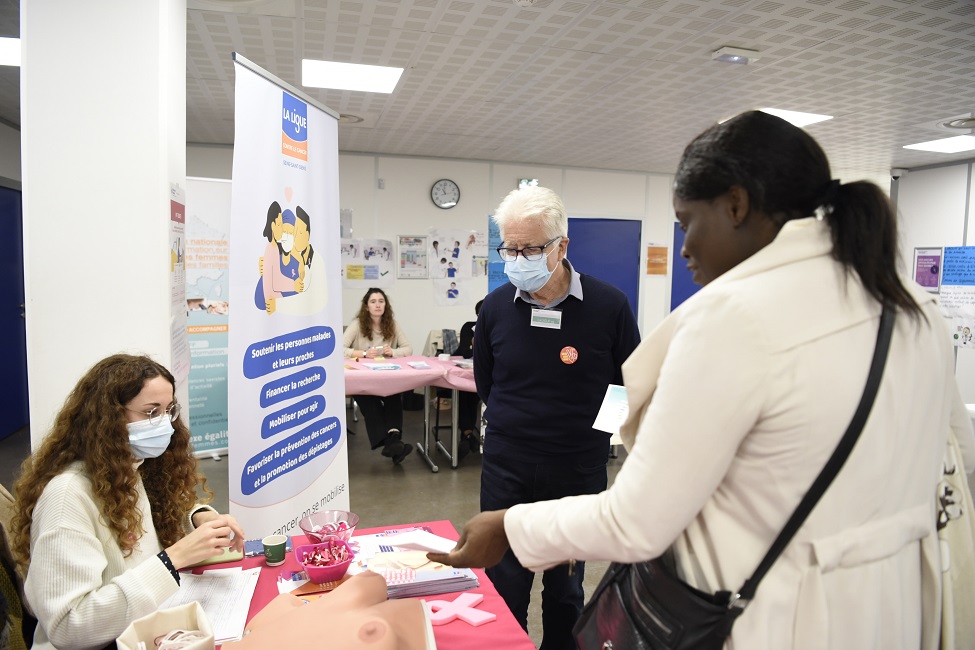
(322, 524)
(322, 574)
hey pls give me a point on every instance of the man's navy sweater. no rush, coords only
(539, 408)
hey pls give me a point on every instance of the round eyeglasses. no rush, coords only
(530, 253)
(156, 415)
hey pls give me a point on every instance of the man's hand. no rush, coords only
(482, 544)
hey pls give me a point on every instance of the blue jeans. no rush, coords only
(506, 482)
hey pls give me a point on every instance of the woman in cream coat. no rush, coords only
(740, 396)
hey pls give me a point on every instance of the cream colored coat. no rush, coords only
(753, 381)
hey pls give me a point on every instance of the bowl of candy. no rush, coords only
(319, 525)
(326, 561)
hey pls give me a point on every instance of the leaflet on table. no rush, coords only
(381, 366)
(419, 365)
(225, 596)
(464, 363)
(409, 573)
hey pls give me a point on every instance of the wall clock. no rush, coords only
(445, 193)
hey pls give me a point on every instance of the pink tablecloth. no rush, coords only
(361, 380)
(456, 635)
(454, 376)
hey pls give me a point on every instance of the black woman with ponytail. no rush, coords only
(739, 398)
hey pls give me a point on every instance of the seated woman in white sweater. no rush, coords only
(375, 333)
(105, 512)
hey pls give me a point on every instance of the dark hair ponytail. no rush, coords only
(863, 225)
(787, 176)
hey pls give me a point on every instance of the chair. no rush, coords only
(16, 623)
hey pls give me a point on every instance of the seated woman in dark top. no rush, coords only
(467, 415)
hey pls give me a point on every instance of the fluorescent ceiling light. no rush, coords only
(735, 55)
(10, 51)
(796, 118)
(946, 145)
(349, 76)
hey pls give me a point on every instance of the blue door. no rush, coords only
(608, 249)
(13, 328)
(682, 285)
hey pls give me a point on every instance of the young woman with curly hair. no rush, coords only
(105, 510)
(375, 333)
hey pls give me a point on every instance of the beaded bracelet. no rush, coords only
(164, 558)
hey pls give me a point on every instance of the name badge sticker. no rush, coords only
(549, 318)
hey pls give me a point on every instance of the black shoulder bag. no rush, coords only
(645, 606)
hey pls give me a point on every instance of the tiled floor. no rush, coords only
(380, 493)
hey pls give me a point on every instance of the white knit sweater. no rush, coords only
(81, 588)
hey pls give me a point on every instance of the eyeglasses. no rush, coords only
(530, 253)
(156, 415)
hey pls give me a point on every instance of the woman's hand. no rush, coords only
(214, 534)
(387, 351)
(482, 544)
(371, 353)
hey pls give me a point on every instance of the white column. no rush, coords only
(103, 134)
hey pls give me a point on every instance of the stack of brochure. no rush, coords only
(400, 556)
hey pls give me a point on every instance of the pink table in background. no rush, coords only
(362, 380)
(456, 379)
(504, 632)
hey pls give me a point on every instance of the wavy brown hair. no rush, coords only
(91, 428)
(386, 324)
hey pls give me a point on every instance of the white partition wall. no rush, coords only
(934, 209)
(103, 136)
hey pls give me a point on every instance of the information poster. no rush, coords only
(927, 268)
(179, 348)
(412, 257)
(454, 259)
(957, 300)
(208, 310)
(367, 263)
(288, 455)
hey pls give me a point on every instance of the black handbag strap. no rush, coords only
(832, 468)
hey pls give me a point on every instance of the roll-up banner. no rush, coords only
(208, 311)
(286, 389)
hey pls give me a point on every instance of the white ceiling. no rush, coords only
(615, 84)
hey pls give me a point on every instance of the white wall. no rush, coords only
(96, 191)
(403, 207)
(934, 208)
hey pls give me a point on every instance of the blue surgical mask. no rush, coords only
(528, 275)
(147, 440)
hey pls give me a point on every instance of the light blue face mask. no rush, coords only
(528, 275)
(147, 440)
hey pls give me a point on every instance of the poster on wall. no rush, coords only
(208, 310)
(657, 258)
(957, 300)
(179, 348)
(412, 253)
(452, 252)
(927, 268)
(288, 455)
(495, 266)
(367, 263)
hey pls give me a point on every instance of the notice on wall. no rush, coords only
(412, 257)
(656, 260)
(179, 347)
(367, 263)
(927, 268)
(957, 300)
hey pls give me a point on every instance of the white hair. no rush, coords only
(533, 205)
